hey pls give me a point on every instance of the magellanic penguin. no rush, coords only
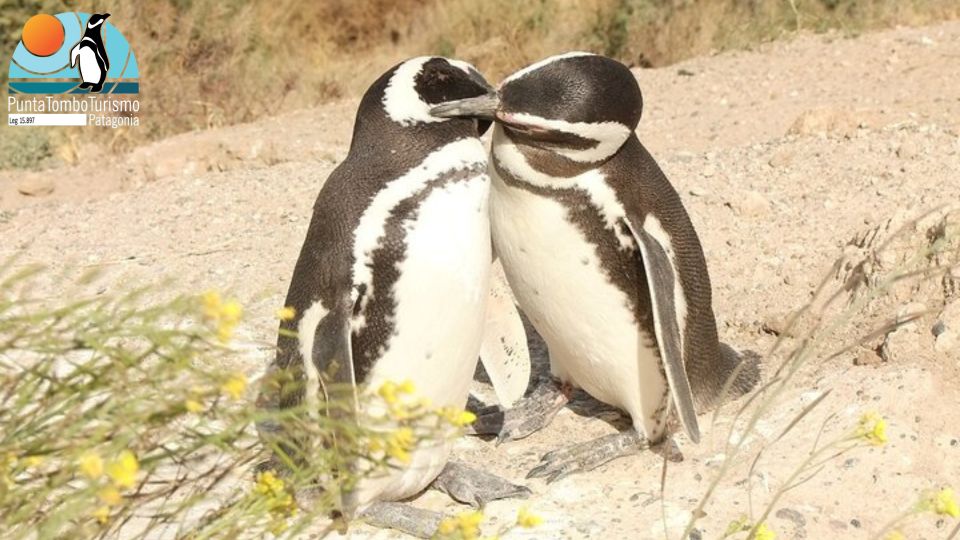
(92, 55)
(600, 253)
(393, 277)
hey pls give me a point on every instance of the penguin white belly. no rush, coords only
(89, 68)
(441, 299)
(593, 339)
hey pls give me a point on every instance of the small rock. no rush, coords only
(782, 158)
(907, 150)
(950, 316)
(867, 357)
(752, 203)
(684, 157)
(793, 516)
(709, 170)
(901, 344)
(825, 121)
(946, 341)
(938, 328)
(855, 522)
(35, 185)
(698, 191)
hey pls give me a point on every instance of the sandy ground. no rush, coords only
(783, 155)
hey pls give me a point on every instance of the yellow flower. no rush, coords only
(193, 406)
(225, 314)
(526, 519)
(764, 533)
(109, 495)
(469, 524)
(211, 303)
(33, 461)
(123, 470)
(895, 535)
(235, 386)
(102, 514)
(388, 391)
(945, 503)
(231, 311)
(399, 444)
(406, 387)
(873, 428)
(91, 465)
(447, 526)
(286, 313)
(269, 484)
(457, 417)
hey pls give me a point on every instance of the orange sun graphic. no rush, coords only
(43, 35)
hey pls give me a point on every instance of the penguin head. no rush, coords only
(579, 105)
(413, 88)
(96, 20)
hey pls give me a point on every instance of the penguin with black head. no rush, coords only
(91, 55)
(602, 256)
(392, 281)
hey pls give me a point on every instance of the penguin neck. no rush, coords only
(512, 147)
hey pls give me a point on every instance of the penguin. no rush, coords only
(602, 257)
(92, 55)
(393, 277)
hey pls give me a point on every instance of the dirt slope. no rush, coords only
(783, 155)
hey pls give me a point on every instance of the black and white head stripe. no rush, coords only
(593, 103)
(423, 82)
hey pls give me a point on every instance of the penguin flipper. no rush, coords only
(504, 351)
(332, 356)
(74, 54)
(668, 301)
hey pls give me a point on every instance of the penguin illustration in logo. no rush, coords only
(92, 55)
(392, 282)
(603, 258)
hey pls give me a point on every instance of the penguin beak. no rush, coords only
(482, 107)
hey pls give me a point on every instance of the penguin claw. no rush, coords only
(529, 415)
(563, 462)
(475, 487)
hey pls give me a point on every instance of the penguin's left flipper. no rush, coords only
(667, 297)
(333, 353)
(475, 487)
(503, 351)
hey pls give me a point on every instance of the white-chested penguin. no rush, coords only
(91, 54)
(393, 276)
(601, 256)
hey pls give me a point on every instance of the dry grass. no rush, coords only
(206, 64)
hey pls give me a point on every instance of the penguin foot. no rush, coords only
(402, 517)
(589, 455)
(529, 415)
(474, 487)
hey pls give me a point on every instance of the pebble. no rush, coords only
(908, 150)
(751, 203)
(783, 158)
(867, 357)
(35, 185)
(709, 170)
